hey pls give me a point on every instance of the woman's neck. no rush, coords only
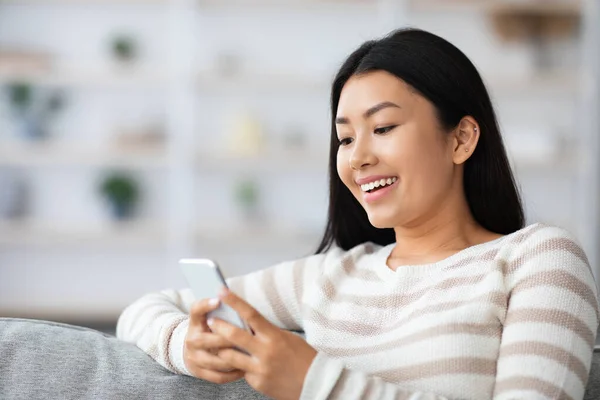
(437, 238)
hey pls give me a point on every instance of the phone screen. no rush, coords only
(206, 281)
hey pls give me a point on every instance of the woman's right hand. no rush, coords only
(201, 347)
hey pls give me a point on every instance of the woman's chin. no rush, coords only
(380, 222)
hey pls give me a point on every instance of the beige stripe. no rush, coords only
(166, 343)
(332, 293)
(516, 238)
(365, 275)
(278, 306)
(440, 367)
(545, 350)
(488, 256)
(562, 280)
(488, 330)
(350, 269)
(298, 281)
(547, 246)
(339, 325)
(554, 317)
(525, 383)
(496, 298)
(521, 236)
(371, 248)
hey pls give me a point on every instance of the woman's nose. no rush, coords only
(362, 156)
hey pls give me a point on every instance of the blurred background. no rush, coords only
(137, 132)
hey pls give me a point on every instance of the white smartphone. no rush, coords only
(206, 281)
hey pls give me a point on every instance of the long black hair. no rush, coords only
(444, 75)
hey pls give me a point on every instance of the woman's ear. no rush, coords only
(465, 139)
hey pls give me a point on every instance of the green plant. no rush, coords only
(124, 48)
(247, 193)
(20, 95)
(120, 189)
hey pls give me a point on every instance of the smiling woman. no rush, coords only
(426, 284)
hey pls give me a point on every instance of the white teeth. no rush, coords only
(376, 184)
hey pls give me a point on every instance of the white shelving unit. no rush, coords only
(550, 6)
(49, 155)
(143, 77)
(191, 89)
(30, 234)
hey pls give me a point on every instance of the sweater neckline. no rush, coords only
(384, 271)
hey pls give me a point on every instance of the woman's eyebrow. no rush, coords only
(378, 108)
(369, 113)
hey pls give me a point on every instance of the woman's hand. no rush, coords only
(201, 347)
(277, 361)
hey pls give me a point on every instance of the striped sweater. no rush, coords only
(512, 318)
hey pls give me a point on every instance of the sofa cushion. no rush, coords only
(49, 360)
(592, 391)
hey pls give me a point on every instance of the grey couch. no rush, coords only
(48, 360)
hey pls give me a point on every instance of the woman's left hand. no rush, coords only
(277, 361)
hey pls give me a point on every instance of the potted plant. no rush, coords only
(247, 196)
(122, 193)
(32, 116)
(124, 48)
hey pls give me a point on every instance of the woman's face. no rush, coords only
(390, 137)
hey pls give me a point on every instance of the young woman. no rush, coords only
(426, 285)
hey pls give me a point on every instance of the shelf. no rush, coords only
(202, 3)
(563, 82)
(84, 2)
(134, 77)
(22, 154)
(120, 235)
(212, 80)
(542, 7)
(225, 236)
(286, 3)
(159, 79)
(268, 161)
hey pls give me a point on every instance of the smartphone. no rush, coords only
(206, 281)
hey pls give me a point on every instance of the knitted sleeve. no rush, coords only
(158, 322)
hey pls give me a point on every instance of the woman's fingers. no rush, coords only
(220, 377)
(207, 341)
(201, 359)
(253, 318)
(199, 310)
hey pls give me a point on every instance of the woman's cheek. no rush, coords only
(342, 170)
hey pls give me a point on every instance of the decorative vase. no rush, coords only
(13, 197)
(121, 211)
(30, 128)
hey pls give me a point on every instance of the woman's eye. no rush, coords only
(345, 141)
(384, 130)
